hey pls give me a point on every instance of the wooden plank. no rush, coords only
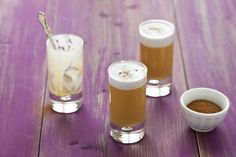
(110, 32)
(207, 33)
(22, 78)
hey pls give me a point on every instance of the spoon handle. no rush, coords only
(43, 21)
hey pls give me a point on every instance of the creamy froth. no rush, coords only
(156, 33)
(127, 75)
(66, 42)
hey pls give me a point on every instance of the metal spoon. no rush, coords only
(43, 21)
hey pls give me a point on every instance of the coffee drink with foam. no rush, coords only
(127, 86)
(156, 52)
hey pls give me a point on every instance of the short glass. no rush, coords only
(127, 87)
(65, 72)
(156, 52)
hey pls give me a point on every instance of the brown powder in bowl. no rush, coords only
(204, 106)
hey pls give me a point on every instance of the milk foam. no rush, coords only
(65, 42)
(127, 75)
(156, 33)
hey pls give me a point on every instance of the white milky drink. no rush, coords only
(65, 69)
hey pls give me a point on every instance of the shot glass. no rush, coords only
(127, 87)
(65, 72)
(156, 52)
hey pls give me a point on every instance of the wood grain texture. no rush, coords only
(110, 31)
(22, 79)
(208, 41)
(205, 41)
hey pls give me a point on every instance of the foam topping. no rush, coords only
(66, 42)
(127, 75)
(156, 33)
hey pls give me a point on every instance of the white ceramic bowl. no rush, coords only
(203, 122)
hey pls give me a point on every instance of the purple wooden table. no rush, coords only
(205, 48)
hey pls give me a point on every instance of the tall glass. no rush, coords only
(65, 72)
(127, 86)
(156, 52)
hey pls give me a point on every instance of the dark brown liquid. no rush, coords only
(127, 107)
(159, 61)
(204, 106)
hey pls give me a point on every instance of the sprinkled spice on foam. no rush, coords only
(155, 29)
(69, 40)
(125, 73)
(64, 44)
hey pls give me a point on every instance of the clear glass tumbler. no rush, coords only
(127, 87)
(65, 72)
(156, 52)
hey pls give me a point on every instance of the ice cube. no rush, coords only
(64, 43)
(72, 80)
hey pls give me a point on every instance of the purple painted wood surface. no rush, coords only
(204, 54)
(208, 41)
(22, 79)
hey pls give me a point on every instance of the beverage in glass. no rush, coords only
(65, 72)
(127, 87)
(156, 52)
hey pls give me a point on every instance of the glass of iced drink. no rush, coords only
(65, 72)
(127, 87)
(156, 52)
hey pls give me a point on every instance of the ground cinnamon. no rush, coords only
(204, 106)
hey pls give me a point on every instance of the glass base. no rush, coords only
(203, 130)
(66, 104)
(127, 135)
(66, 107)
(157, 88)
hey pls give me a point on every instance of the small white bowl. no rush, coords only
(204, 122)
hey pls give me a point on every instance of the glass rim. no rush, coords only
(141, 32)
(128, 61)
(78, 46)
